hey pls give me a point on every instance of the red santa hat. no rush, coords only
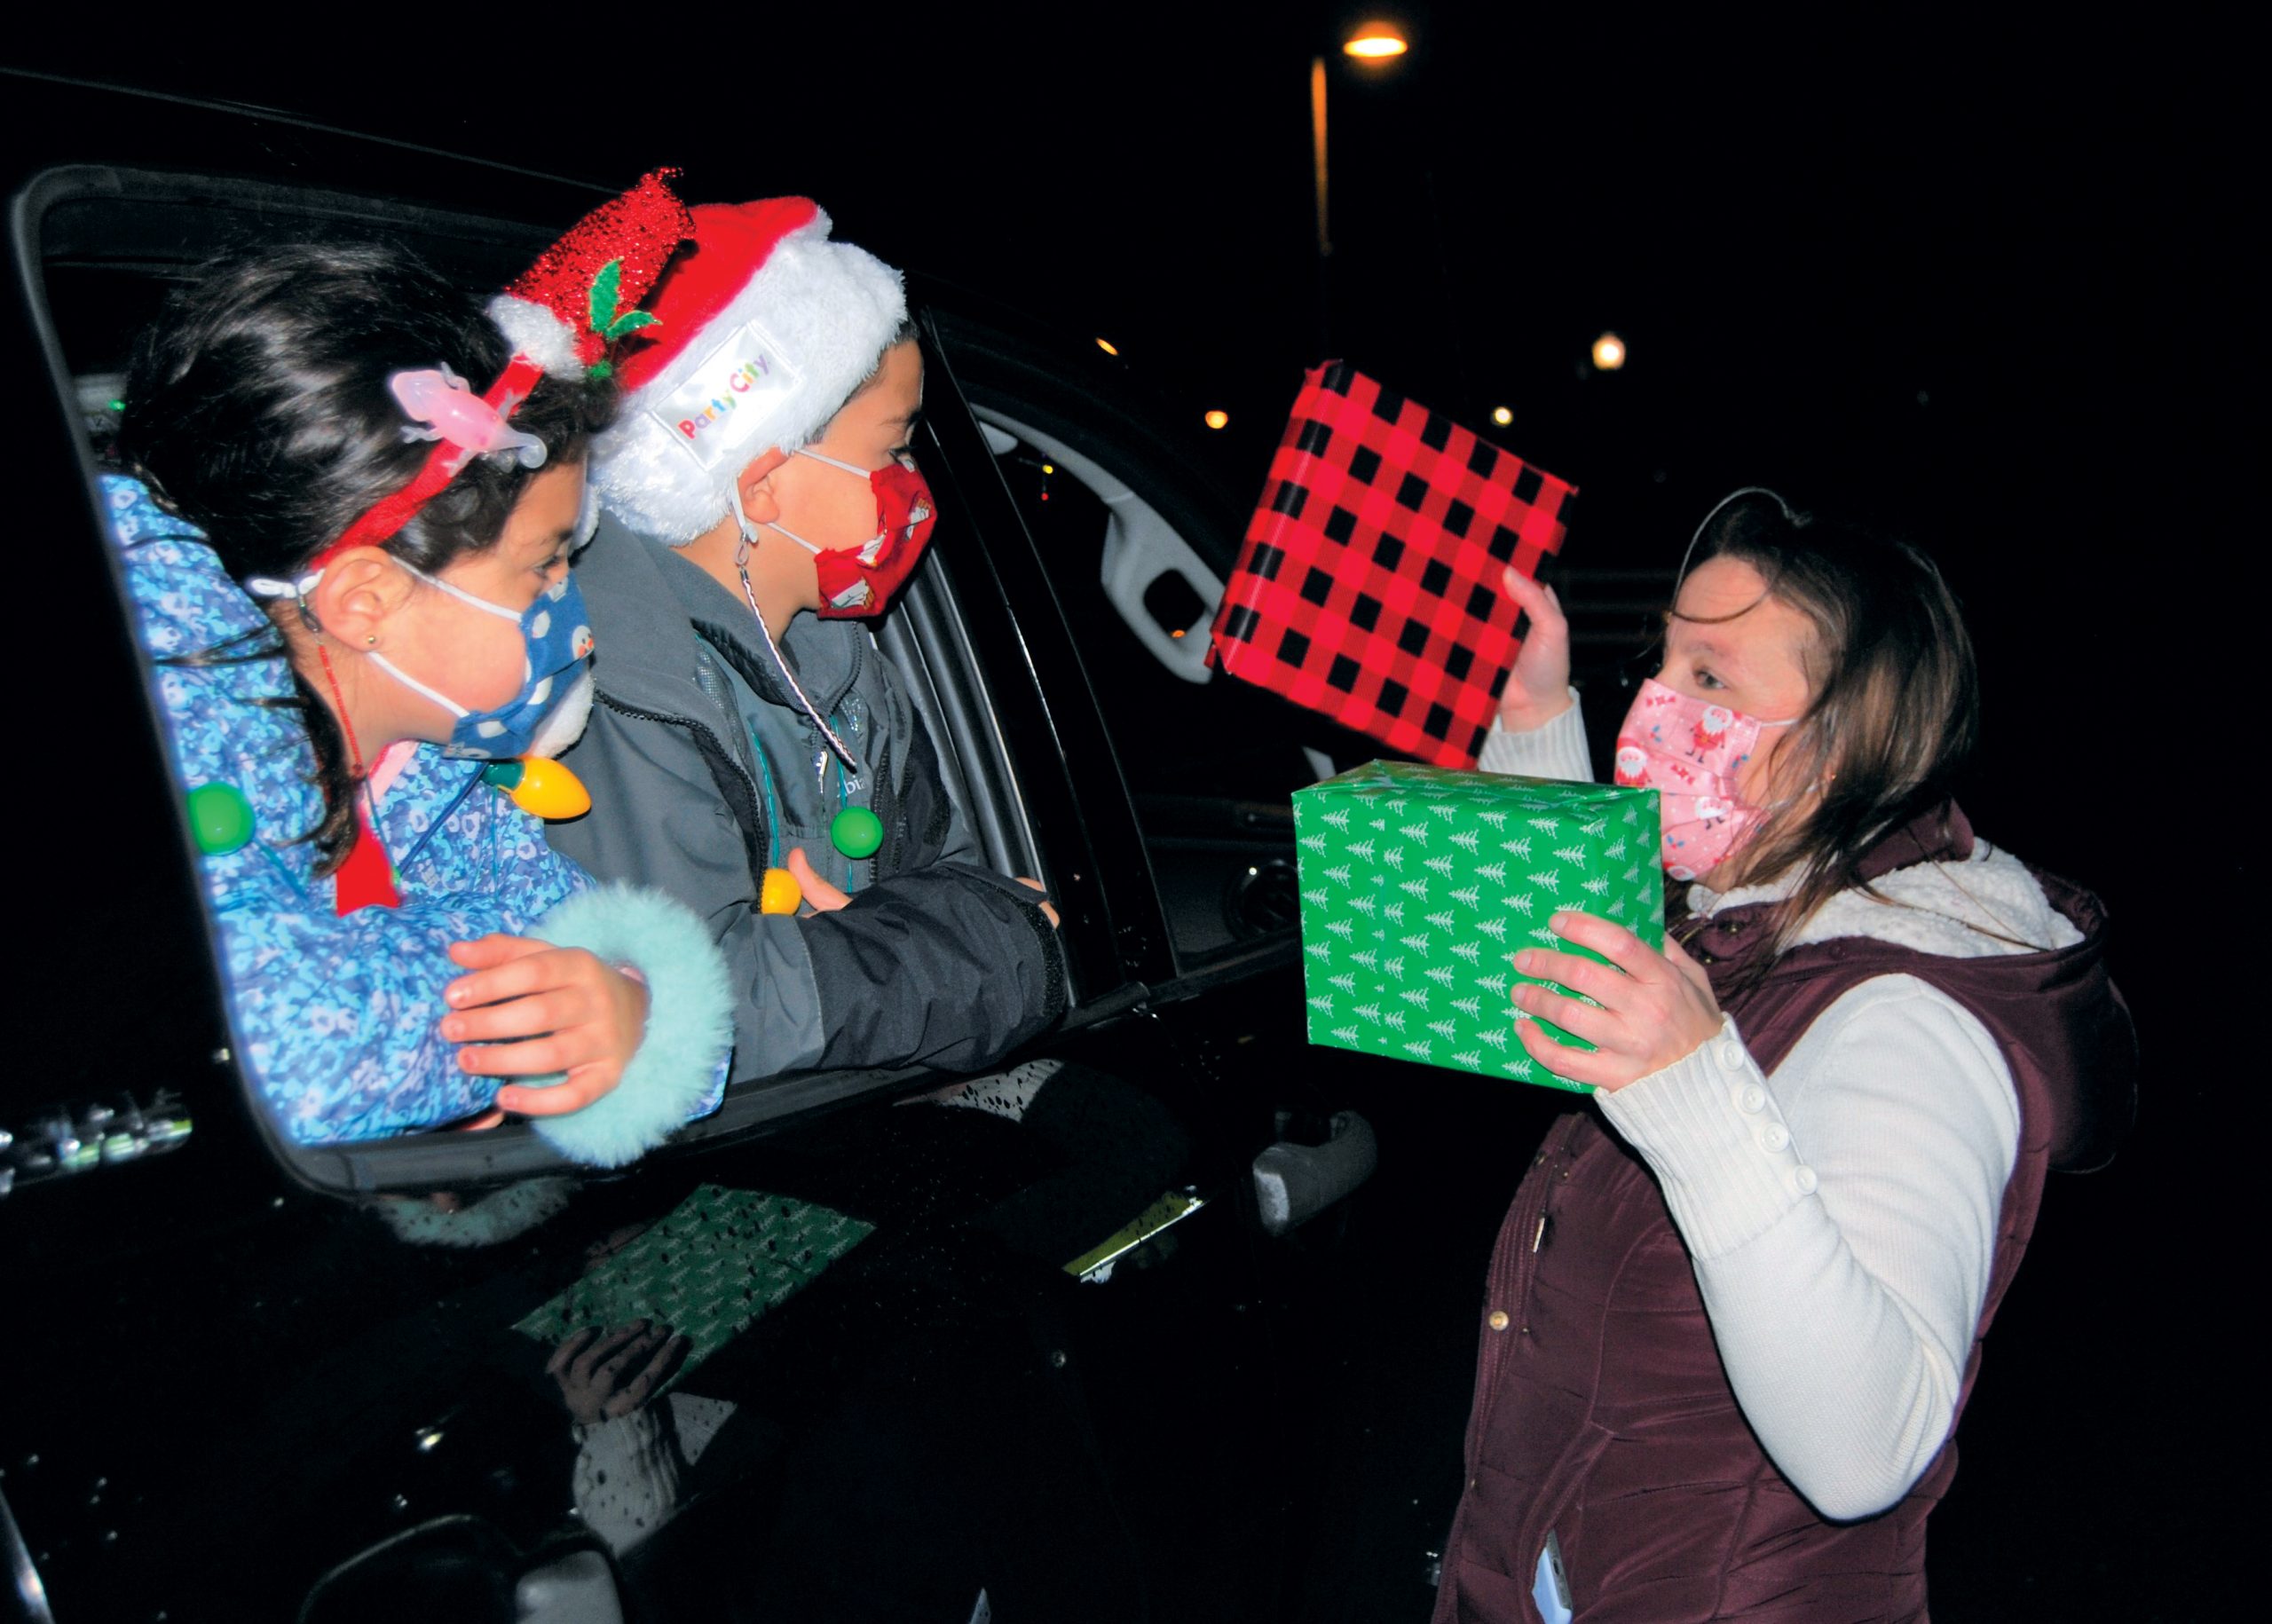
(561, 317)
(581, 294)
(764, 329)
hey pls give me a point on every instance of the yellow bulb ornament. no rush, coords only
(779, 893)
(540, 786)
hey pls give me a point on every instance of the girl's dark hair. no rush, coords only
(1894, 704)
(257, 407)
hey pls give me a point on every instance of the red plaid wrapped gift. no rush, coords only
(1370, 587)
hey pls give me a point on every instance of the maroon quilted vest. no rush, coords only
(1601, 1409)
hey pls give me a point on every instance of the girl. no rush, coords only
(1732, 1322)
(349, 622)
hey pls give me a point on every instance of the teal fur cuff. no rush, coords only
(689, 1032)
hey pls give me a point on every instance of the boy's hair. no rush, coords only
(257, 407)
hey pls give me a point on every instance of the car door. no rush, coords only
(240, 1391)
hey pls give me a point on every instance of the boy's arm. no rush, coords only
(948, 967)
(951, 965)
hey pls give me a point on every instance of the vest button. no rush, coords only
(1804, 1182)
(1498, 1321)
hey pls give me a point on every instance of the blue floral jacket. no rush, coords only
(337, 1017)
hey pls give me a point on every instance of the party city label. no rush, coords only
(734, 392)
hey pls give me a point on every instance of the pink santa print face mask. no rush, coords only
(1690, 752)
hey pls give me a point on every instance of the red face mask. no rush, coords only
(858, 583)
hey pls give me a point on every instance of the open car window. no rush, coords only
(99, 248)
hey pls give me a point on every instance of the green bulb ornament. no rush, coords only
(856, 833)
(220, 819)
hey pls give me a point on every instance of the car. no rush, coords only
(236, 1394)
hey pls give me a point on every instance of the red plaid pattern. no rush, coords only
(1370, 587)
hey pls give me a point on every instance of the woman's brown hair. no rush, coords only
(1894, 704)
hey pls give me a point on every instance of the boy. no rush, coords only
(761, 502)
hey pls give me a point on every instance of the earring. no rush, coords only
(372, 638)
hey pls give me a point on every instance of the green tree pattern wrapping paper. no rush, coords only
(1421, 884)
(707, 1269)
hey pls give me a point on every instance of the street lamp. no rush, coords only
(1375, 42)
(1609, 353)
(1372, 45)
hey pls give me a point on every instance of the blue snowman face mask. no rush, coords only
(559, 635)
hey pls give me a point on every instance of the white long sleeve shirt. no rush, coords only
(1841, 1213)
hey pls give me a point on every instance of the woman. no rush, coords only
(1730, 1322)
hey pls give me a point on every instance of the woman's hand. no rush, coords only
(601, 1377)
(579, 1016)
(1655, 1008)
(1538, 686)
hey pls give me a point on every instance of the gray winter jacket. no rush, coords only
(704, 771)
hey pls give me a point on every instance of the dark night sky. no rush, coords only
(1928, 270)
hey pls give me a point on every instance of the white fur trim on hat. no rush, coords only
(804, 332)
(536, 333)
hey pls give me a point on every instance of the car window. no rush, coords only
(105, 246)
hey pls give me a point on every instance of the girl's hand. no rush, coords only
(1655, 1008)
(579, 1015)
(820, 896)
(1538, 687)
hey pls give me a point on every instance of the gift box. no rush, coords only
(1420, 884)
(708, 1269)
(1370, 587)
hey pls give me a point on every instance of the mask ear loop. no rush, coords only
(741, 568)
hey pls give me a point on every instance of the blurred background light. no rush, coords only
(1107, 346)
(1218, 419)
(1374, 42)
(1609, 353)
(1502, 415)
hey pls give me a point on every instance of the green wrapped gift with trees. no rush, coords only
(1420, 885)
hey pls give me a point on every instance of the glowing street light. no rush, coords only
(1375, 42)
(1502, 415)
(1107, 346)
(1609, 353)
(1218, 419)
(1373, 45)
